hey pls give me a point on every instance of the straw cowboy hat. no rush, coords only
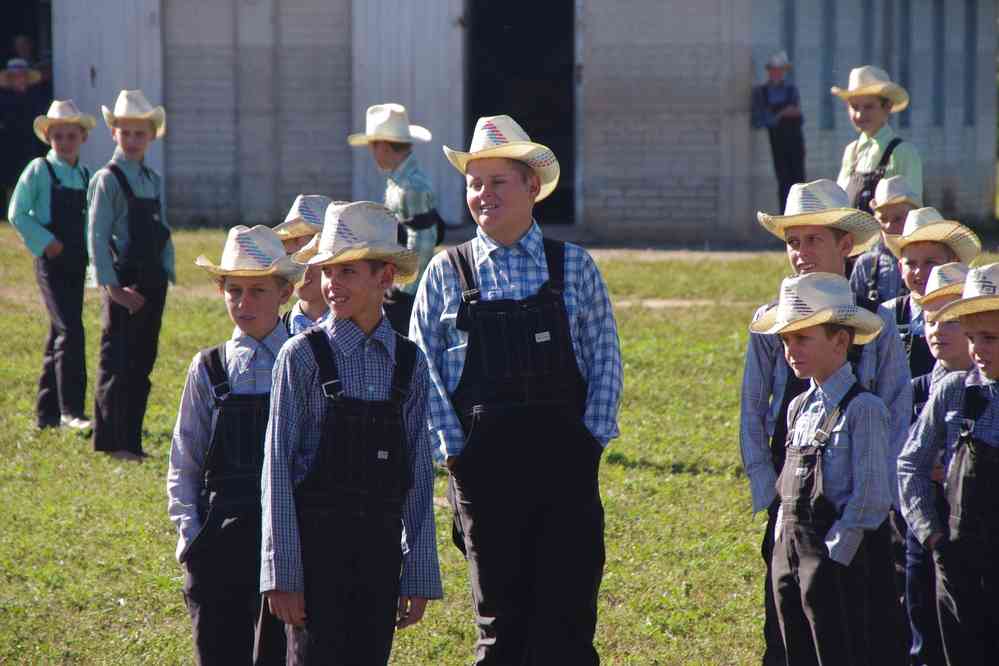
(305, 217)
(15, 65)
(980, 294)
(928, 225)
(818, 298)
(894, 190)
(389, 122)
(62, 112)
(779, 60)
(501, 136)
(363, 230)
(944, 280)
(132, 104)
(868, 80)
(252, 253)
(823, 203)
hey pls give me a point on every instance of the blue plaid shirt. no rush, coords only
(298, 410)
(300, 321)
(516, 272)
(249, 364)
(889, 283)
(883, 369)
(935, 431)
(855, 474)
(408, 193)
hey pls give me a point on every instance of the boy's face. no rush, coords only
(869, 113)
(892, 217)
(293, 245)
(253, 303)
(918, 259)
(66, 140)
(812, 353)
(982, 331)
(133, 136)
(500, 198)
(815, 249)
(311, 288)
(946, 339)
(385, 156)
(355, 289)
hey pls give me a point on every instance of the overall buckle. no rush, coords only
(221, 391)
(333, 389)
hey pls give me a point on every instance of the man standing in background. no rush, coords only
(777, 106)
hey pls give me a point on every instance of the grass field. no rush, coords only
(87, 573)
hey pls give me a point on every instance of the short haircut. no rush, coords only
(831, 329)
(838, 234)
(524, 169)
(399, 146)
(279, 280)
(375, 264)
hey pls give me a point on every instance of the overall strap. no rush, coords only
(286, 320)
(555, 258)
(822, 433)
(122, 181)
(405, 364)
(86, 176)
(52, 173)
(214, 360)
(902, 310)
(872, 278)
(976, 399)
(883, 163)
(853, 356)
(794, 415)
(463, 261)
(329, 378)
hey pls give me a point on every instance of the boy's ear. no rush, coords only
(846, 244)
(388, 276)
(287, 289)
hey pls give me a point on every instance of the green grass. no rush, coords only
(87, 574)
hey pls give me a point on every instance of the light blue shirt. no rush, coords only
(408, 193)
(889, 277)
(300, 321)
(30, 209)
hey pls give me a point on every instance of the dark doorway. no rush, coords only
(31, 19)
(521, 62)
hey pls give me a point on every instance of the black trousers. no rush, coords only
(63, 381)
(533, 535)
(967, 593)
(129, 344)
(773, 642)
(787, 146)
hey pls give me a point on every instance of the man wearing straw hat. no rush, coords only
(777, 106)
(961, 422)
(49, 211)
(408, 194)
(520, 335)
(871, 97)
(133, 258)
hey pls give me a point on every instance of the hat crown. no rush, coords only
(358, 225)
(309, 207)
(492, 131)
(946, 275)
(868, 75)
(919, 218)
(63, 108)
(131, 103)
(804, 295)
(247, 248)
(778, 60)
(896, 187)
(391, 119)
(982, 281)
(17, 64)
(815, 196)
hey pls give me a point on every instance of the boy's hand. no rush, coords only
(289, 607)
(53, 249)
(410, 611)
(127, 298)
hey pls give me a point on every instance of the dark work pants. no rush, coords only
(128, 352)
(63, 381)
(926, 648)
(889, 625)
(788, 150)
(773, 643)
(968, 599)
(534, 539)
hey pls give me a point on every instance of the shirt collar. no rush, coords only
(532, 243)
(297, 311)
(349, 336)
(835, 386)
(401, 171)
(272, 342)
(53, 157)
(882, 138)
(130, 167)
(976, 378)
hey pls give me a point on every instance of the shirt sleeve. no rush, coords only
(169, 260)
(905, 161)
(846, 164)
(754, 440)
(24, 203)
(191, 439)
(858, 277)
(102, 211)
(421, 576)
(893, 384)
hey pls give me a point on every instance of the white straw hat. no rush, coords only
(251, 253)
(944, 280)
(823, 203)
(868, 80)
(779, 60)
(501, 136)
(927, 225)
(980, 294)
(894, 190)
(62, 112)
(389, 122)
(19, 65)
(132, 104)
(305, 218)
(364, 230)
(818, 298)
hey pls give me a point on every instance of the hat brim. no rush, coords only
(866, 325)
(930, 298)
(895, 93)
(406, 262)
(521, 151)
(865, 235)
(964, 307)
(895, 200)
(296, 228)
(283, 267)
(417, 134)
(43, 123)
(157, 116)
(960, 239)
(34, 76)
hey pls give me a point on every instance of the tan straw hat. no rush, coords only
(62, 112)
(132, 104)
(980, 294)
(928, 225)
(823, 203)
(251, 253)
(363, 230)
(894, 190)
(818, 298)
(868, 80)
(779, 60)
(944, 280)
(501, 136)
(389, 122)
(305, 217)
(15, 65)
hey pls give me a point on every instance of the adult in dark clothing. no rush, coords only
(777, 106)
(21, 100)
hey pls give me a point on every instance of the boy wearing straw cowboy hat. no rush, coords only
(347, 465)
(49, 211)
(521, 337)
(820, 231)
(876, 277)
(777, 106)
(871, 97)
(133, 258)
(961, 421)
(408, 195)
(216, 457)
(834, 487)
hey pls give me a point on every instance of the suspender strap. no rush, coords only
(822, 433)
(555, 258)
(902, 311)
(52, 173)
(405, 364)
(463, 261)
(86, 176)
(794, 417)
(329, 378)
(214, 360)
(872, 278)
(853, 355)
(975, 402)
(888, 151)
(122, 181)
(286, 320)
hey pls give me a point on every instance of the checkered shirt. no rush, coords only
(407, 194)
